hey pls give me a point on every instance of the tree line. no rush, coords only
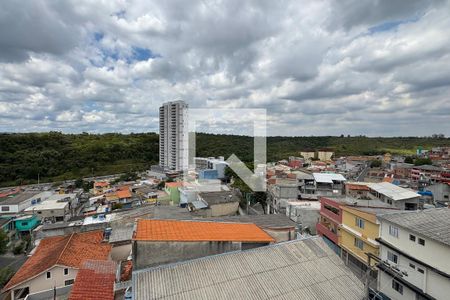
(55, 156)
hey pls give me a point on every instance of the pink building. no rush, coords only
(330, 219)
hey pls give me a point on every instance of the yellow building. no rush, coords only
(359, 230)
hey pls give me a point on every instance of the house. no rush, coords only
(330, 221)
(16, 203)
(280, 193)
(171, 189)
(25, 224)
(358, 234)
(417, 244)
(328, 184)
(223, 203)
(123, 194)
(440, 192)
(299, 269)
(55, 263)
(95, 280)
(101, 187)
(56, 208)
(358, 190)
(158, 242)
(430, 172)
(393, 195)
(305, 214)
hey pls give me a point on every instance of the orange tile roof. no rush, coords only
(359, 187)
(70, 250)
(123, 194)
(101, 184)
(95, 280)
(193, 231)
(175, 184)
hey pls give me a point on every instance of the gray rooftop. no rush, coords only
(433, 223)
(19, 198)
(301, 269)
(218, 197)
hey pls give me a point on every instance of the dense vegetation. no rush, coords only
(56, 156)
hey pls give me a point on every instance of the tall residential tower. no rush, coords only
(173, 136)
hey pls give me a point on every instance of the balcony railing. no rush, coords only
(323, 230)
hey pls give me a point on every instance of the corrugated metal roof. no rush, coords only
(392, 191)
(302, 269)
(433, 223)
(328, 177)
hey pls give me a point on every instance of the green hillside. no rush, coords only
(56, 156)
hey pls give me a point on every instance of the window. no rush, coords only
(24, 223)
(421, 242)
(393, 231)
(420, 270)
(359, 244)
(334, 210)
(5, 208)
(360, 223)
(412, 266)
(397, 286)
(389, 201)
(412, 237)
(66, 271)
(49, 275)
(69, 282)
(392, 257)
(445, 196)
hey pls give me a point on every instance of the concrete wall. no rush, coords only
(41, 232)
(121, 252)
(281, 235)
(148, 253)
(224, 209)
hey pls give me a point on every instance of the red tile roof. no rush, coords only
(95, 280)
(127, 269)
(193, 231)
(70, 250)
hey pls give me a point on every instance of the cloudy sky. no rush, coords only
(379, 68)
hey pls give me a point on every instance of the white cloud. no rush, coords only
(318, 67)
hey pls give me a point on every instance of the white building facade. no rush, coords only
(173, 136)
(417, 245)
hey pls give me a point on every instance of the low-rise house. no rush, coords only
(414, 249)
(440, 193)
(281, 192)
(329, 184)
(57, 208)
(158, 242)
(101, 187)
(223, 203)
(300, 269)
(25, 224)
(430, 172)
(16, 203)
(358, 190)
(305, 214)
(308, 154)
(95, 280)
(393, 195)
(55, 263)
(171, 189)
